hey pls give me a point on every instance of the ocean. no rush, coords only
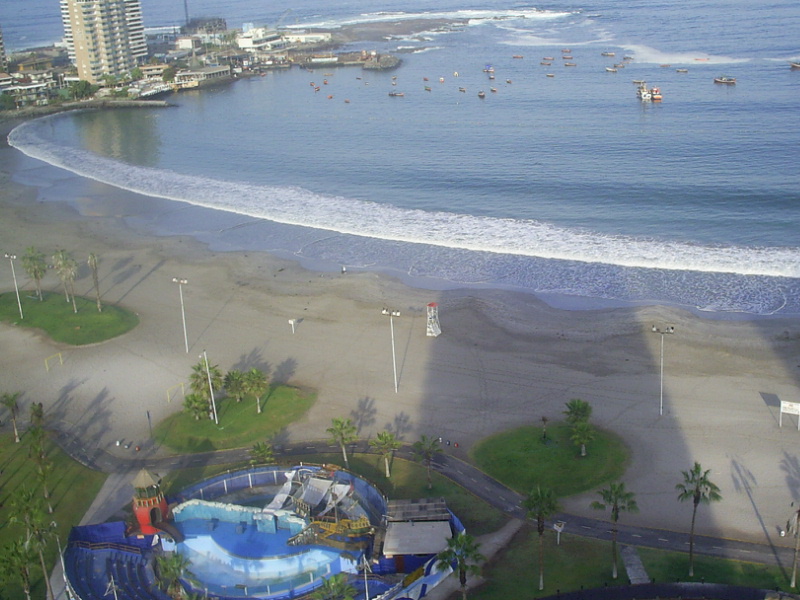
(567, 186)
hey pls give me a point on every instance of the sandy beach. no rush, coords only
(503, 360)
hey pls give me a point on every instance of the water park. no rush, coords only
(266, 533)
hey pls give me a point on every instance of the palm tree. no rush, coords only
(198, 380)
(697, 487)
(35, 266)
(425, 449)
(171, 568)
(336, 587)
(92, 262)
(195, 405)
(581, 434)
(44, 466)
(235, 384)
(256, 384)
(541, 504)
(67, 270)
(617, 499)
(27, 509)
(578, 410)
(262, 453)
(385, 444)
(15, 564)
(793, 525)
(10, 402)
(462, 556)
(342, 432)
(37, 414)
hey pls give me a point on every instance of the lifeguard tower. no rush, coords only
(149, 504)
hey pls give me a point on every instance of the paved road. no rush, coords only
(462, 473)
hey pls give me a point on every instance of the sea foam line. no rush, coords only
(297, 206)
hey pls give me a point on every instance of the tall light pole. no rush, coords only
(392, 314)
(662, 332)
(211, 390)
(11, 258)
(181, 283)
(794, 528)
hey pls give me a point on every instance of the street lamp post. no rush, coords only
(181, 283)
(11, 258)
(211, 390)
(392, 314)
(662, 332)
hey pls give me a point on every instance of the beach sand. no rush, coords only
(503, 360)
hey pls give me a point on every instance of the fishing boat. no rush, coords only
(488, 69)
(724, 79)
(396, 94)
(607, 54)
(646, 94)
(681, 70)
(794, 65)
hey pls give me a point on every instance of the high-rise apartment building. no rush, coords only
(3, 58)
(103, 37)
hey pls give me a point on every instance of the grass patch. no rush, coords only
(522, 460)
(674, 566)
(239, 424)
(72, 486)
(575, 563)
(55, 317)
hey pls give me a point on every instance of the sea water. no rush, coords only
(564, 186)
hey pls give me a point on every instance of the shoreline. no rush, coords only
(504, 358)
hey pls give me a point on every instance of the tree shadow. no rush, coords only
(279, 439)
(400, 425)
(743, 481)
(791, 467)
(284, 372)
(253, 360)
(137, 268)
(364, 414)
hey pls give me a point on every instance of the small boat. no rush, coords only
(396, 94)
(646, 94)
(491, 77)
(547, 58)
(518, 56)
(424, 79)
(394, 83)
(607, 54)
(611, 70)
(794, 65)
(481, 94)
(508, 81)
(619, 66)
(324, 82)
(493, 90)
(702, 59)
(569, 64)
(488, 69)
(567, 57)
(638, 81)
(724, 79)
(441, 79)
(427, 88)
(681, 70)
(565, 51)
(347, 101)
(627, 58)
(461, 89)
(546, 63)
(665, 66)
(550, 75)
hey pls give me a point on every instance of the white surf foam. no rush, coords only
(298, 206)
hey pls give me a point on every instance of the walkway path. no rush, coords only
(115, 495)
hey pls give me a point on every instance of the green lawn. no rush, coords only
(72, 487)
(54, 316)
(239, 424)
(672, 566)
(521, 459)
(576, 562)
